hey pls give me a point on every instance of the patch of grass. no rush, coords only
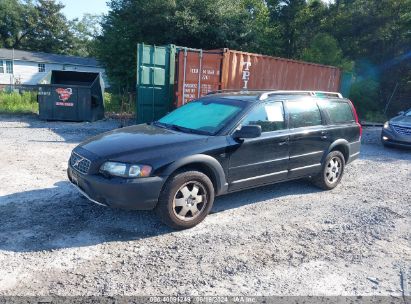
(15, 103)
(116, 104)
(119, 104)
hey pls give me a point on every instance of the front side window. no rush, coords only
(42, 67)
(270, 116)
(304, 113)
(204, 116)
(1, 67)
(338, 112)
(9, 67)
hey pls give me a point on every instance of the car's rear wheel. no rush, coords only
(332, 171)
(186, 199)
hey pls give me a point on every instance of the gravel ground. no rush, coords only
(284, 239)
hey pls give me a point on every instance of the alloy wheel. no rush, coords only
(333, 170)
(190, 201)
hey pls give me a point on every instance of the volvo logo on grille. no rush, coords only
(80, 163)
(77, 162)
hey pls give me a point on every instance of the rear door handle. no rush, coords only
(282, 143)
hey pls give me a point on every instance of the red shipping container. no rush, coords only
(244, 71)
(228, 69)
(189, 80)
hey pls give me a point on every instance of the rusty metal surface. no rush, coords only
(252, 71)
(228, 69)
(190, 62)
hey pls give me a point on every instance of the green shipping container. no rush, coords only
(155, 81)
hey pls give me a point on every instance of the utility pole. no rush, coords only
(389, 101)
(12, 70)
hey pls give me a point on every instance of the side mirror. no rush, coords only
(250, 131)
(400, 113)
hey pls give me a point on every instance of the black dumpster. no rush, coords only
(71, 96)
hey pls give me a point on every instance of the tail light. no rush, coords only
(356, 117)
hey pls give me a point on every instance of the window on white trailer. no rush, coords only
(1, 67)
(9, 67)
(42, 67)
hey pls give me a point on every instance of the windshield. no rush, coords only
(203, 116)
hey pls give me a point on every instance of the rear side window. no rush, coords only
(269, 115)
(338, 112)
(304, 113)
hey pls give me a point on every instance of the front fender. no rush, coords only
(206, 160)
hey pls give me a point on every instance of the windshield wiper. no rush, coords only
(180, 128)
(159, 124)
(188, 130)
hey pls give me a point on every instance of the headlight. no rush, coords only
(125, 170)
(386, 125)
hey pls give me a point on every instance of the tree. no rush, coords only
(129, 22)
(85, 33)
(212, 24)
(51, 32)
(36, 26)
(196, 23)
(324, 49)
(285, 15)
(375, 35)
(17, 20)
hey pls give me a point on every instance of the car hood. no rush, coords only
(401, 121)
(140, 139)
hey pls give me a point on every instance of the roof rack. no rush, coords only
(237, 90)
(268, 93)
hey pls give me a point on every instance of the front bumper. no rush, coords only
(389, 137)
(131, 194)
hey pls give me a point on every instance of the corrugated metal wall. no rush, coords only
(252, 71)
(189, 78)
(199, 72)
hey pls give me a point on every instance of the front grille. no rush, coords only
(402, 130)
(80, 163)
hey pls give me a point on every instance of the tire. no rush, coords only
(332, 171)
(186, 199)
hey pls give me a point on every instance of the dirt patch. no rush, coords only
(284, 239)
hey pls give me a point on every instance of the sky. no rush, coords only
(77, 8)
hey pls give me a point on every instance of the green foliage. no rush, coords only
(195, 23)
(50, 32)
(375, 117)
(364, 95)
(85, 32)
(41, 26)
(324, 49)
(15, 103)
(116, 103)
(112, 103)
(370, 38)
(16, 22)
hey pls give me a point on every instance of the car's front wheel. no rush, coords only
(332, 171)
(185, 200)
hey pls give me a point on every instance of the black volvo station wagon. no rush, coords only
(221, 143)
